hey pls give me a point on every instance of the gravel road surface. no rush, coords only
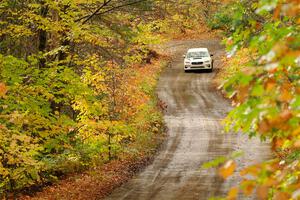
(195, 109)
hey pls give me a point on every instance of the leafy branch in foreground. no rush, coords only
(266, 92)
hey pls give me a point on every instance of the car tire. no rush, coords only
(212, 67)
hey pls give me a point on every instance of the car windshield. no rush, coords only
(197, 54)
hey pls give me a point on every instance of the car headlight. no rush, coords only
(207, 61)
(187, 63)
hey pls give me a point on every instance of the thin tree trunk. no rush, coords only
(43, 34)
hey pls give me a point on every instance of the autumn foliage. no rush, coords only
(265, 90)
(77, 82)
(73, 90)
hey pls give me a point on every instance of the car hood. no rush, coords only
(198, 59)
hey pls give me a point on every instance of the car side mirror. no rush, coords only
(211, 54)
(183, 56)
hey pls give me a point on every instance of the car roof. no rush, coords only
(198, 49)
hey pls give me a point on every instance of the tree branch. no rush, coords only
(120, 6)
(105, 3)
(88, 17)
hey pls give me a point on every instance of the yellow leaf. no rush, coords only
(233, 193)
(296, 132)
(227, 169)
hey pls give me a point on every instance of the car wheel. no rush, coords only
(212, 67)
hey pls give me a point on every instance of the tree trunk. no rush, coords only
(43, 34)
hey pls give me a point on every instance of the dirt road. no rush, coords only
(193, 117)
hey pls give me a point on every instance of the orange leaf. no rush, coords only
(248, 187)
(282, 196)
(298, 89)
(264, 126)
(286, 115)
(252, 170)
(270, 182)
(258, 26)
(233, 193)
(3, 89)
(277, 12)
(277, 143)
(297, 144)
(227, 169)
(270, 84)
(262, 192)
(279, 123)
(285, 95)
(243, 93)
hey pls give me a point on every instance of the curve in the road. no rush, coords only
(193, 117)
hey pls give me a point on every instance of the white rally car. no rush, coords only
(198, 58)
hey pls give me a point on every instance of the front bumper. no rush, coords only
(197, 67)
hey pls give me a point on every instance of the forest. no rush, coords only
(78, 80)
(72, 88)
